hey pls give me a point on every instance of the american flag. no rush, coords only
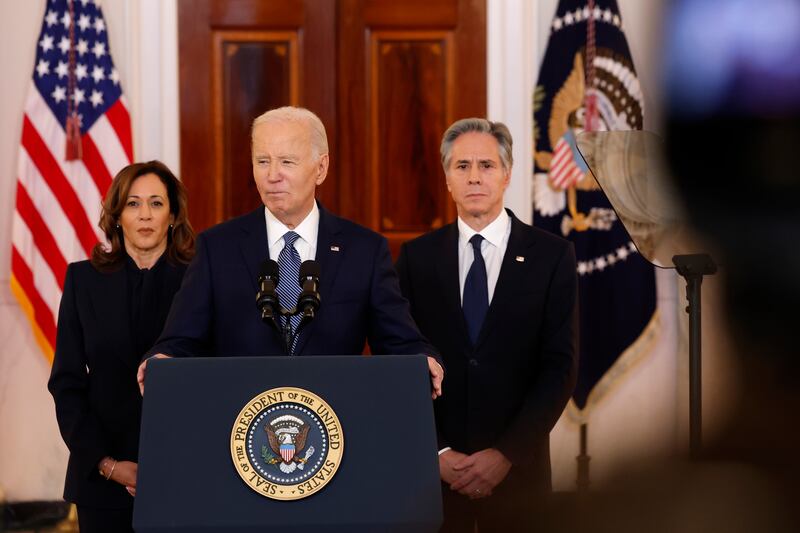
(59, 200)
(567, 167)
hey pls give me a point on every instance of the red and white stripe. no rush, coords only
(58, 205)
(564, 172)
(287, 454)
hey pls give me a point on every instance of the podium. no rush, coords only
(386, 477)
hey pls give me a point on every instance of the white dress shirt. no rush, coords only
(493, 248)
(306, 244)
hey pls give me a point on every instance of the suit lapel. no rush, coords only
(110, 302)
(449, 280)
(330, 250)
(254, 244)
(512, 274)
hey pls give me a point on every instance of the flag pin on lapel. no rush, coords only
(334, 248)
(520, 259)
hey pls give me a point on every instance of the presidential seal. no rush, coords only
(287, 443)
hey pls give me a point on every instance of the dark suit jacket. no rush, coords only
(509, 390)
(215, 313)
(98, 411)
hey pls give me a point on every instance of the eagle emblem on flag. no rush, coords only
(618, 103)
(587, 83)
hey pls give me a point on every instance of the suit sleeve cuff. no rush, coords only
(88, 460)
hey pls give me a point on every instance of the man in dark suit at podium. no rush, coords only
(214, 313)
(498, 300)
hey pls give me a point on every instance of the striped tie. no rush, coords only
(289, 286)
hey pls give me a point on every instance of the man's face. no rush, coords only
(285, 169)
(476, 177)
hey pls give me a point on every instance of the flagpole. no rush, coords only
(589, 124)
(73, 147)
(582, 481)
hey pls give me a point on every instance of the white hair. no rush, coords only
(319, 139)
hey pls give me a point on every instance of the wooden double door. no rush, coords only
(385, 76)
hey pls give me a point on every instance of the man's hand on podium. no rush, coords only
(143, 366)
(437, 375)
(436, 370)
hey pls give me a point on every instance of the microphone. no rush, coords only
(309, 299)
(267, 298)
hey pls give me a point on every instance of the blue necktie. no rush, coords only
(288, 285)
(476, 291)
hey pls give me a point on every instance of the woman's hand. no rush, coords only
(125, 474)
(122, 472)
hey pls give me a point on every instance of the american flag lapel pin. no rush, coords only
(334, 248)
(520, 259)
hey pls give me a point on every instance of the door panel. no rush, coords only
(239, 58)
(411, 75)
(385, 76)
(253, 71)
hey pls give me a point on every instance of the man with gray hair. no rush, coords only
(214, 314)
(498, 300)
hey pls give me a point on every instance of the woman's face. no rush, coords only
(146, 217)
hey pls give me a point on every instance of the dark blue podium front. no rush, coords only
(389, 475)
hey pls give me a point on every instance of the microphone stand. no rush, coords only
(274, 314)
(693, 267)
(285, 327)
(287, 335)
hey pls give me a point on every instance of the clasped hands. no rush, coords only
(476, 475)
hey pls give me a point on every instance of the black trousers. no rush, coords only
(96, 520)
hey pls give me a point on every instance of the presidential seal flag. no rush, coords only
(587, 82)
(76, 135)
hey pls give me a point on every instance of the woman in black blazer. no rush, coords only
(112, 310)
